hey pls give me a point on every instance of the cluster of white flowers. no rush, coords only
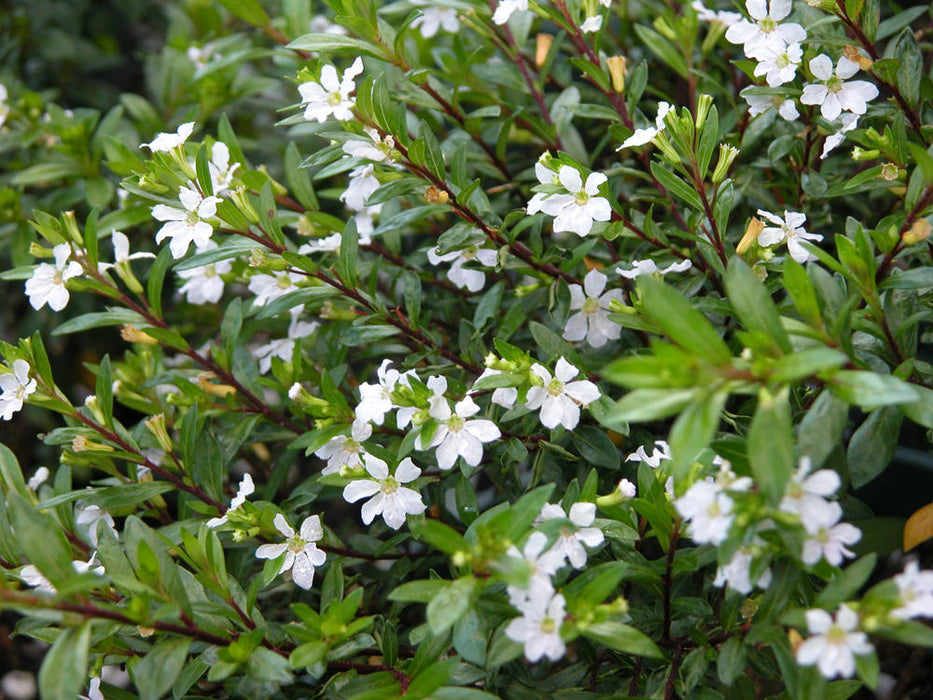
(541, 607)
(16, 386)
(573, 203)
(790, 230)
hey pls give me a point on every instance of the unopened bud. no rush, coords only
(853, 54)
(156, 426)
(267, 263)
(542, 47)
(727, 156)
(750, 236)
(332, 312)
(71, 227)
(664, 29)
(920, 231)
(221, 390)
(131, 334)
(795, 639)
(93, 406)
(860, 154)
(240, 200)
(145, 631)
(435, 195)
(704, 103)
(82, 444)
(38, 251)
(624, 491)
(617, 72)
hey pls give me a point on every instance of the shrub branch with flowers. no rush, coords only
(414, 289)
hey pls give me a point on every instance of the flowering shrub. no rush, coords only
(408, 291)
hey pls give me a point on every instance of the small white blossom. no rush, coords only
(504, 396)
(789, 229)
(326, 244)
(93, 691)
(40, 477)
(577, 210)
(660, 453)
(708, 509)
(121, 252)
(829, 542)
(833, 94)
(778, 65)
(559, 398)
(834, 643)
(4, 107)
(377, 149)
(538, 628)
(87, 519)
(627, 489)
(643, 136)
(456, 436)
(245, 489)
(737, 573)
(591, 25)
(345, 451)
(434, 18)
(848, 121)
(376, 399)
(301, 552)
(220, 168)
(34, 578)
(650, 267)
(592, 306)
(507, 8)
(388, 497)
(707, 15)
(165, 142)
(47, 284)
(268, 288)
(570, 543)
(542, 565)
(806, 494)
(545, 176)
(330, 96)
(204, 284)
(765, 31)
(283, 347)
(16, 387)
(186, 225)
(759, 104)
(915, 588)
(465, 278)
(363, 182)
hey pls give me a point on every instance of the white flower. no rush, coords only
(87, 519)
(592, 24)
(16, 387)
(592, 306)
(559, 398)
(434, 18)
(806, 495)
(708, 509)
(542, 565)
(93, 691)
(204, 284)
(376, 399)
(626, 489)
(759, 104)
(47, 284)
(737, 573)
(345, 451)
(539, 627)
(245, 489)
(187, 225)
(507, 8)
(121, 252)
(268, 288)
(363, 182)
(916, 592)
(779, 65)
(389, 498)
(321, 25)
(833, 94)
(643, 136)
(40, 477)
(220, 168)
(456, 436)
(331, 96)
(31, 576)
(283, 347)
(660, 453)
(301, 552)
(791, 230)
(570, 543)
(849, 121)
(165, 142)
(706, 15)
(578, 210)
(327, 244)
(829, 541)
(377, 149)
(650, 267)
(504, 396)
(473, 280)
(835, 642)
(545, 176)
(727, 479)
(765, 31)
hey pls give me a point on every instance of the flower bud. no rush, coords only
(542, 47)
(241, 201)
(131, 334)
(617, 72)
(94, 407)
(920, 231)
(71, 227)
(727, 156)
(156, 426)
(624, 491)
(853, 54)
(38, 251)
(860, 154)
(220, 390)
(750, 236)
(435, 195)
(704, 102)
(664, 29)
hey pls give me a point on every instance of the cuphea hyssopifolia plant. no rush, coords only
(380, 424)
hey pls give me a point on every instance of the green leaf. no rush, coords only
(155, 673)
(847, 584)
(872, 446)
(897, 21)
(249, 11)
(53, 557)
(332, 43)
(433, 157)
(104, 390)
(754, 305)
(651, 404)
(156, 279)
(821, 428)
(298, 180)
(676, 186)
(469, 638)
(806, 363)
(771, 445)
(204, 172)
(802, 292)
(430, 679)
(693, 430)
(418, 591)
(681, 322)
(11, 473)
(552, 344)
(98, 319)
(308, 654)
(663, 49)
(349, 252)
(870, 390)
(622, 637)
(450, 604)
(438, 535)
(917, 278)
(730, 664)
(64, 669)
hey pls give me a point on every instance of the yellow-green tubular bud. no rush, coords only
(618, 69)
(156, 426)
(704, 102)
(727, 156)
(71, 227)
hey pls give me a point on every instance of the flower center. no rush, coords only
(389, 485)
(767, 25)
(591, 306)
(794, 490)
(455, 424)
(548, 625)
(836, 635)
(714, 511)
(581, 198)
(210, 271)
(834, 85)
(57, 278)
(823, 536)
(555, 387)
(283, 282)
(192, 218)
(296, 544)
(333, 99)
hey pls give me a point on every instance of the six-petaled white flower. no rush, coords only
(834, 643)
(558, 397)
(301, 552)
(167, 141)
(789, 229)
(779, 65)
(570, 542)
(592, 306)
(915, 590)
(538, 628)
(577, 210)
(17, 387)
(189, 224)
(330, 96)
(833, 94)
(244, 490)
(47, 284)
(386, 494)
(204, 284)
(456, 436)
(433, 18)
(345, 451)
